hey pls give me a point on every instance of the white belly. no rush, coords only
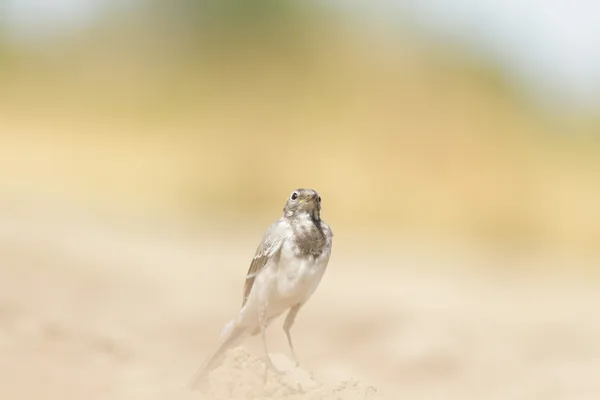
(296, 279)
(282, 285)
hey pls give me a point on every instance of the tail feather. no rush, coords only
(231, 335)
(227, 328)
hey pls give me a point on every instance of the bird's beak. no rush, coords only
(308, 199)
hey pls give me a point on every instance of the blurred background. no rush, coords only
(456, 146)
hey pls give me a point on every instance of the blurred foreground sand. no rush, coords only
(102, 308)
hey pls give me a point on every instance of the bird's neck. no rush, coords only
(312, 216)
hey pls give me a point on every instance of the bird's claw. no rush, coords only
(295, 360)
(269, 366)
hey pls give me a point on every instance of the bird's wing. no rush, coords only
(270, 245)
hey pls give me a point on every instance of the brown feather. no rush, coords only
(256, 265)
(267, 249)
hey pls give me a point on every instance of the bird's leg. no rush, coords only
(262, 322)
(287, 325)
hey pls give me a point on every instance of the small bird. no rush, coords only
(286, 269)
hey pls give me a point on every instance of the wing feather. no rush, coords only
(268, 248)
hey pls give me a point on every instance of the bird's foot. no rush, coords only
(295, 359)
(269, 366)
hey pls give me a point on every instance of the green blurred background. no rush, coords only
(216, 110)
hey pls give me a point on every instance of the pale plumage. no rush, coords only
(286, 269)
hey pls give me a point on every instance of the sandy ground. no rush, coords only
(101, 308)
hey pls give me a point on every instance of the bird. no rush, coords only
(287, 267)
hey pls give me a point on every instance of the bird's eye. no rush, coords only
(294, 196)
(319, 199)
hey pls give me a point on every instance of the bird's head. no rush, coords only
(303, 201)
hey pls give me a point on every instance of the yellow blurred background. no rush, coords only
(225, 111)
(210, 113)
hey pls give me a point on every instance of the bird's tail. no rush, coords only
(231, 335)
(227, 328)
